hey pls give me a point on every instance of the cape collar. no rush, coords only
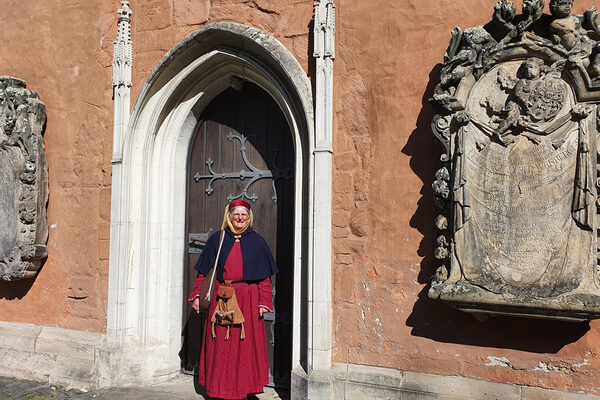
(247, 232)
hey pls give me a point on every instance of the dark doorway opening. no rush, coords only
(243, 148)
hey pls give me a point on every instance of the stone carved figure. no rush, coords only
(535, 96)
(565, 28)
(517, 117)
(532, 12)
(23, 181)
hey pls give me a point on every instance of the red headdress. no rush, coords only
(227, 221)
(238, 203)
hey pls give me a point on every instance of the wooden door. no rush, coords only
(243, 149)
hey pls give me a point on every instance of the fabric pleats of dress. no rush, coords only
(233, 368)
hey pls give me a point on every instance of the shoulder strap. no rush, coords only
(214, 269)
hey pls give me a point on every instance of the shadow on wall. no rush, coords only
(17, 289)
(438, 321)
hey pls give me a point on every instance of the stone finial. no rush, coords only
(123, 49)
(324, 29)
(124, 12)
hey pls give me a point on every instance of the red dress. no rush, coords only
(232, 368)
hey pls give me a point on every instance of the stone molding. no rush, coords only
(362, 382)
(24, 181)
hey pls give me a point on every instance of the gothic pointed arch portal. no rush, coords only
(242, 149)
(150, 170)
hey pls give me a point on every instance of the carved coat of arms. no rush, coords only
(23, 181)
(518, 119)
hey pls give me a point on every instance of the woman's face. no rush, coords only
(239, 217)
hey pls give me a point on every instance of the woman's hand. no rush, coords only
(196, 305)
(262, 310)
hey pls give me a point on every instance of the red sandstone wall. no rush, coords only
(388, 55)
(60, 49)
(63, 49)
(160, 24)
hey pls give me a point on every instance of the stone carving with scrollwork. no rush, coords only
(23, 181)
(517, 117)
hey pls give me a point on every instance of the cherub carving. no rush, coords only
(566, 29)
(16, 130)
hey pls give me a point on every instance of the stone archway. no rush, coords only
(148, 192)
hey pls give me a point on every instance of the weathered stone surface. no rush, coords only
(357, 382)
(70, 349)
(23, 181)
(517, 185)
(7, 206)
(18, 337)
(529, 393)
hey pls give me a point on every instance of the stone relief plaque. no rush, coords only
(23, 181)
(517, 115)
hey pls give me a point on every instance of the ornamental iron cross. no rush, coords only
(254, 174)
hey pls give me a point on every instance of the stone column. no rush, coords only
(320, 318)
(122, 63)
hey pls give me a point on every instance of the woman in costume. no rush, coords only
(233, 361)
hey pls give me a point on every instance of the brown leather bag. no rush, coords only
(228, 311)
(208, 284)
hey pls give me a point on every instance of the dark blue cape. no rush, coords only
(258, 260)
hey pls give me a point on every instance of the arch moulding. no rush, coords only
(148, 200)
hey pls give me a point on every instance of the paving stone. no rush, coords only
(181, 388)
